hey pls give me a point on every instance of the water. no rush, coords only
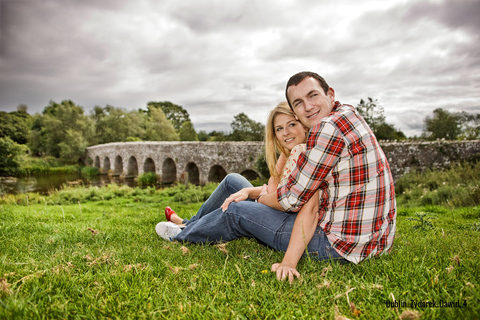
(43, 184)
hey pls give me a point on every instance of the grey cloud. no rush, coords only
(461, 14)
(237, 56)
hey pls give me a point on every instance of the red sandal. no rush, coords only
(168, 213)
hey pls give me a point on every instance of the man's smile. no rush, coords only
(313, 115)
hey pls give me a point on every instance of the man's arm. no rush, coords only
(270, 199)
(324, 147)
(302, 233)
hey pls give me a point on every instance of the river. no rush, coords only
(43, 184)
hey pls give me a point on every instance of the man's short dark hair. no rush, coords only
(297, 78)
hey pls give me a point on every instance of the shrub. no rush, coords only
(147, 179)
(10, 156)
(90, 171)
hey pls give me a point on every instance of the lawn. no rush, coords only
(89, 253)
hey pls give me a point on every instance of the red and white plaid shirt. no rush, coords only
(357, 197)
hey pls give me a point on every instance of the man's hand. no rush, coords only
(284, 270)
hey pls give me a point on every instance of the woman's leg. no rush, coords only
(254, 220)
(232, 183)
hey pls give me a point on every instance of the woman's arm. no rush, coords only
(256, 192)
(302, 232)
(242, 195)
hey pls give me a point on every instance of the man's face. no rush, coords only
(309, 101)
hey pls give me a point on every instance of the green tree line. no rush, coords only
(63, 130)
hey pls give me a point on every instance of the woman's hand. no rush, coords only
(264, 191)
(241, 195)
(284, 270)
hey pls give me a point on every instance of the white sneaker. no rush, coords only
(167, 230)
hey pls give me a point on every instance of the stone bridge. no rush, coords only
(199, 162)
(202, 162)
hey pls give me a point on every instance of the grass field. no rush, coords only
(93, 253)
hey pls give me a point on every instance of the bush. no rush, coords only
(45, 166)
(90, 171)
(10, 156)
(147, 179)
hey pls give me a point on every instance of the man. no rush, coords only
(344, 162)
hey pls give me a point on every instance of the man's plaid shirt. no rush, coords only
(357, 198)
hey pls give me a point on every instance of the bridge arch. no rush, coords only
(216, 174)
(132, 168)
(169, 171)
(106, 164)
(250, 174)
(97, 162)
(149, 165)
(118, 166)
(193, 173)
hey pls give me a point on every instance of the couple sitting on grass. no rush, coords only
(330, 194)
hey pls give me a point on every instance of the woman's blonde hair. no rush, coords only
(272, 146)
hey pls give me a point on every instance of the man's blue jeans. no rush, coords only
(248, 219)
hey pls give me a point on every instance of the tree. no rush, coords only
(442, 125)
(187, 132)
(203, 135)
(385, 131)
(116, 124)
(37, 136)
(158, 127)
(246, 129)
(470, 124)
(10, 156)
(72, 147)
(55, 125)
(15, 125)
(173, 112)
(373, 113)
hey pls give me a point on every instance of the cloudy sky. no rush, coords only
(219, 58)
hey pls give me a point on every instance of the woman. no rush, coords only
(225, 216)
(283, 134)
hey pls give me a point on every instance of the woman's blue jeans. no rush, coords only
(248, 219)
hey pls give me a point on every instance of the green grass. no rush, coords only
(88, 253)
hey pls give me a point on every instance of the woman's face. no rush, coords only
(288, 131)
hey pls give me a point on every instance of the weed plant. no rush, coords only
(89, 253)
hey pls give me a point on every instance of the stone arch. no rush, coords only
(118, 166)
(250, 174)
(132, 169)
(106, 164)
(96, 163)
(216, 174)
(148, 165)
(169, 171)
(193, 173)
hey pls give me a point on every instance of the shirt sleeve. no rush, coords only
(324, 147)
(291, 162)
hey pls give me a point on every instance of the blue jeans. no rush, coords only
(232, 183)
(249, 219)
